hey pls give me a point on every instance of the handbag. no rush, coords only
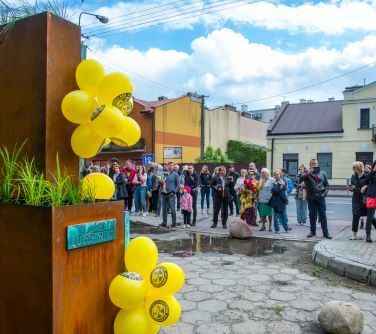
(371, 202)
(148, 193)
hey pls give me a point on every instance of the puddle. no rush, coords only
(199, 243)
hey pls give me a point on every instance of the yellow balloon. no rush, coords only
(85, 142)
(115, 89)
(133, 321)
(128, 290)
(166, 279)
(129, 135)
(153, 328)
(107, 121)
(78, 106)
(89, 75)
(141, 256)
(98, 185)
(126, 106)
(107, 141)
(163, 310)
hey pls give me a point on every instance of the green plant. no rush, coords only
(279, 309)
(316, 271)
(56, 190)
(212, 155)
(9, 162)
(242, 152)
(32, 184)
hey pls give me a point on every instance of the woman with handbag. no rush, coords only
(301, 198)
(358, 180)
(370, 191)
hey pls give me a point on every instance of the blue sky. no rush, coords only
(240, 54)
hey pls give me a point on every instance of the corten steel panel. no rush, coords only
(81, 277)
(37, 63)
(46, 289)
(26, 267)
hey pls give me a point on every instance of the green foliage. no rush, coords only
(9, 161)
(242, 152)
(212, 155)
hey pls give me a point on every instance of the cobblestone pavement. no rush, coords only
(237, 294)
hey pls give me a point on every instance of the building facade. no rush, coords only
(337, 133)
(263, 115)
(226, 123)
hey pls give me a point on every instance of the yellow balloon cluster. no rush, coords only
(144, 292)
(101, 107)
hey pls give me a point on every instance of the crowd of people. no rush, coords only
(249, 194)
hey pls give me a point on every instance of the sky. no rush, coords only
(235, 51)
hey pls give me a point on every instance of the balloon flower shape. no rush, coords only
(101, 108)
(145, 292)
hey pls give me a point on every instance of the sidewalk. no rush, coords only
(354, 259)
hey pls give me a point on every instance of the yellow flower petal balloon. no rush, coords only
(115, 89)
(129, 135)
(89, 75)
(133, 321)
(78, 106)
(85, 142)
(163, 310)
(141, 256)
(166, 279)
(98, 185)
(107, 121)
(128, 290)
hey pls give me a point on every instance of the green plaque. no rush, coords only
(93, 233)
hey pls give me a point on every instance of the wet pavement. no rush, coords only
(250, 286)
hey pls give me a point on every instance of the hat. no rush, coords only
(114, 160)
(87, 165)
(187, 189)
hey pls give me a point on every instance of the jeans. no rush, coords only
(168, 203)
(318, 206)
(139, 197)
(178, 200)
(280, 218)
(205, 192)
(194, 195)
(301, 210)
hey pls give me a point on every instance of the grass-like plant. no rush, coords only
(56, 190)
(9, 163)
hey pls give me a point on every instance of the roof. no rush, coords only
(153, 104)
(308, 118)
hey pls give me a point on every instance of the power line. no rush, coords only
(309, 86)
(113, 24)
(138, 77)
(108, 34)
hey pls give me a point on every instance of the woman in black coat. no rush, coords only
(120, 185)
(358, 180)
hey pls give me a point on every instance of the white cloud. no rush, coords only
(330, 18)
(230, 68)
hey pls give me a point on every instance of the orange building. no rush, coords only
(170, 129)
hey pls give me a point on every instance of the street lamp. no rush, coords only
(100, 18)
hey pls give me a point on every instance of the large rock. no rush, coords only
(339, 317)
(239, 229)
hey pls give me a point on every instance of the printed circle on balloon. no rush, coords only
(158, 277)
(159, 311)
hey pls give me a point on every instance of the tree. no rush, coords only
(242, 152)
(212, 155)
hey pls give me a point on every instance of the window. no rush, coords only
(290, 162)
(364, 118)
(325, 162)
(365, 157)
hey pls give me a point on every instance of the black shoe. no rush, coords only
(224, 226)
(173, 225)
(213, 226)
(289, 229)
(193, 224)
(369, 239)
(162, 225)
(311, 235)
(328, 236)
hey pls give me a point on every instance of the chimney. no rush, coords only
(284, 104)
(161, 98)
(302, 101)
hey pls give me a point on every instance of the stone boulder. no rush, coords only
(239, 229)
(339, 317)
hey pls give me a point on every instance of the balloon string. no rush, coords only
(126, 228)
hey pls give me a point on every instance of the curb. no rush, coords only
(323, 257)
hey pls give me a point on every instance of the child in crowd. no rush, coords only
(186, 206)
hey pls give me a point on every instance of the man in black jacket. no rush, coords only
(192, 180)
(232, 176)
(317, 187)
(221, 196)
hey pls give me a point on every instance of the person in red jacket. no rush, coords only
(129, 173)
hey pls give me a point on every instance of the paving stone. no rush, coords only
(212, 305)
(187, 305)
(283, 278)
(249, 326)
(260, 278)
(282, 296)
(198, 281)
(242, 305)
(191, 274)
(213, 328)
(189, 288)
(306, 277)
(230, 316)
(289, 271)
(283, 327)
(253, 296)
(291, 314)
(267, 271)
(224, 282)
(210, 275)
(364, 296)
(358, 272)
(196, 317)
(305, 304)
(337, 266)
(181, 328)
(211, 288)
(197, 296)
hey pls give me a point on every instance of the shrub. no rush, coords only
(242, 152)
(212, 155)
